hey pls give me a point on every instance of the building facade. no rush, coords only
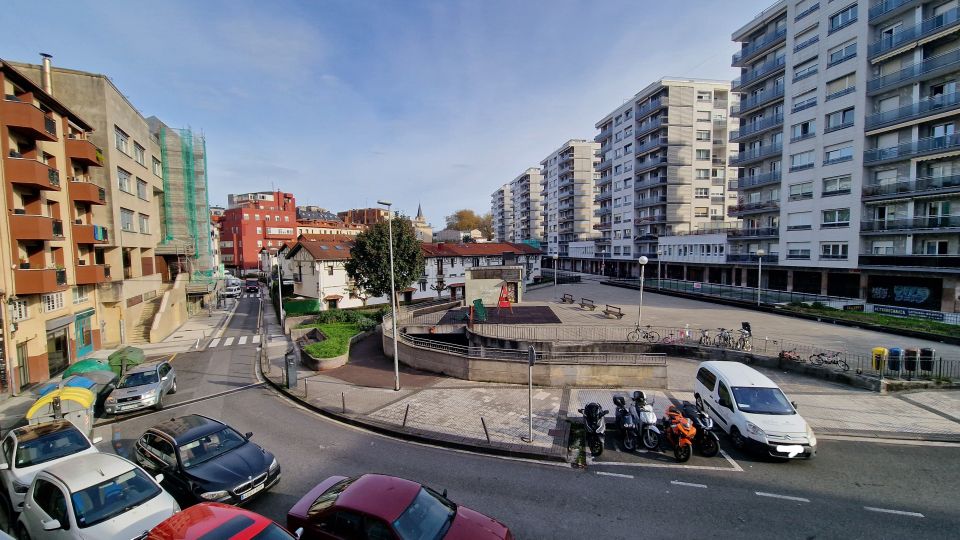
(527, 219)
(421, 229)
(501, 212)
(327, 226)
(317, 266)
(446, 264)
(364, 216)
(567, 191)
(253, 221)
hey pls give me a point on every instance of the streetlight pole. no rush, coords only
(393, 297)
(643, 264)
(280, 291)
(659, 277)
(556, 277)
(760, 254)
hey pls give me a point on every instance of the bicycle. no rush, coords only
(705, 338)
(673, 339)
(791, 355)
(644, 333)
(821, 358)
(744, 343)
(724, 338)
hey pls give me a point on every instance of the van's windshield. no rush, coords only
(762, 400)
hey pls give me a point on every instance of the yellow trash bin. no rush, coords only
(879, 358)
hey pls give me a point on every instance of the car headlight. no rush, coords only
(20, 488)
(149, 394)
(213, 495)
(274, 465)
(811, 438)
(757, 433)
(176, 507)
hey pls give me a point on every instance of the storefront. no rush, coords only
(58, 344)
(83, 333)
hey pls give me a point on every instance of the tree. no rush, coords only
(369, 264)
(464, 220)
(486, 226)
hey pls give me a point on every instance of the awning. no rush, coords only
(452, 285)
(332, 297)
(85, 313)
(59, 322)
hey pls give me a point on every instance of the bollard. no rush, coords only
(485, 432)
(305, 386)
(343, 402)
(405, 413)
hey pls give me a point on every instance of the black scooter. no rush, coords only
(626, 424)
(595, 425)
(706, 441)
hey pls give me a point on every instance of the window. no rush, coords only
(841, 86)
(882, 247)
(798, 250)
(123, 180)
(246, 216)
(806, 38)
(832, 219)
(330, 270)
(19, 310)
(157, 167)
(703, 136)
(706, 378)
(803, 130)
(803, 160)
(839, 120)
(799, 221)
(121, 140)
(804, 101)
(142, 189)
(52, 301)
(51, 500)
(837, 185)
(80, 294)
(703, 95)
(701, 211)
(936, 247)
(256, 217)
(703, 116)
(838, 154)
(138, 154)
(126, 219)
(833, 250)
(804, 70)
(843, 18)
(841, 52)
(803, 190)
(702, 193)
(144, 223)
(703, 174)
(703, 154)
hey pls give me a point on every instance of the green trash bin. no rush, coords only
(879, 358)
(124, 359)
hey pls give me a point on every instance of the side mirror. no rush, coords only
(299, 532)
(97, 440)
(165, 377)
(158, 478)
(51, 525)
(444, 492)
(248, 434)
(794, 403)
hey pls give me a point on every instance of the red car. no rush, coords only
(381, 507)
(216, 520)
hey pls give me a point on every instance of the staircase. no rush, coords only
(141, 332)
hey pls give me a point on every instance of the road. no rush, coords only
(824, 497)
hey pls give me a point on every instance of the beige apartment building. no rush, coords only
(501, 211)
(567, 190)
(525, 192)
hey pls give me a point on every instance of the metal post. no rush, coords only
(280, 293)
(485, 432)
(556, 277)
(393, 298)
(405, 413)
(643, 266)
(659, 277)
(531, 359)
(760, 254)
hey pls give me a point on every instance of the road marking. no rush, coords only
(897, 512)
(618, 475)
(663, 466)
(730, 460)
(880, 440)
(688, 484)
(228, 342)
(242, 340)
(226, 324)
(172, 356)
(256, 339)
(214, 342)
(784, 497)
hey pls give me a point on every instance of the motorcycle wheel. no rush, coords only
(710, 446)
(682, 452)
(650, 440)
(630, 442)
(596, 446)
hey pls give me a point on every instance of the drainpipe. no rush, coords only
(46, 78)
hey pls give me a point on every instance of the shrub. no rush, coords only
(337, 342)
(360, 320)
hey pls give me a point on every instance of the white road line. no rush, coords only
(228, 342)
(618, 475)
(897, 512)
(662, 466)
(784, 497)
(242, 340)
(256, 339)
(214, 343)
(729, 459)
(688, 484)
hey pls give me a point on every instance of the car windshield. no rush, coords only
(427, 518)
(50, 447)
(239, 527)
(209, 446)
(108, 499)
(762, 400)
(139, 378)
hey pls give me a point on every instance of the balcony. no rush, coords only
(756, 128)
(604, 211)
(909, 36)
(939, 185)
(659, 218)
(653, 143)
(736, 210)
(757, 100)
(912, 149)
(31, 172)
(886, 8)
(757, 232)
(764, 70)
(648, 164)
(81, 150)
(934, 224)
(91, 274)
(87, 192)
(604, 226)
(40, 281)
(605, 133)
(652, 105)
(603, 196)
(913, 111)
(756, 154)
(90, 234)
(21, 114)
(643, 129)
(605, 164)
(772, 258)
(928, 68)
(949, 262)
(650, 201)
(757, 46)
(28, 227)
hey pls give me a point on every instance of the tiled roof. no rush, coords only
(325, 248)
(471, 249)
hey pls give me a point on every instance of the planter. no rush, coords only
(324, 364)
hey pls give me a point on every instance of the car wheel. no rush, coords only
(173, 389)
(159, 405)
(8, 518)
(21, 532)
(738, 441)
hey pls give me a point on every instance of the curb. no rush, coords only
(892, 435)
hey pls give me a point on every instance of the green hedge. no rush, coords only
(337, 342)
(357, 318)
(902, 323)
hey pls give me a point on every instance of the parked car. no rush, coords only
(215, 520)
(141, 387)
(93, 496)
(232, 291)
(252, 286)
(753, 410)
(28, 450)
(379, 506)
(205, 460)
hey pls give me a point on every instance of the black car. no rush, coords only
(205, 460)
(252, 285)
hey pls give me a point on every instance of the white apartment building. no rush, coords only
(567, 190)
(501, 210)
(317, 269)
(446, 265)
(527, 221)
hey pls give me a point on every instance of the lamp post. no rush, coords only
(643, 264)
(760, 254)
(556, 276)
(393, 297)
(659, 277)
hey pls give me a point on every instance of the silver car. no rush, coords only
(143, 386)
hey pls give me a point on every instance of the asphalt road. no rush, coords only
(825, 497)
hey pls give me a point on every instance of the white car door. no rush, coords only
(46, 502)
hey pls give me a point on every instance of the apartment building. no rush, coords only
(567, 191)
(501, 210)
(663, 170)
(446, 265)
(310, 212)
(49, 267)
(364, 216)
(328, 226)
(527, 222)
(253, 221)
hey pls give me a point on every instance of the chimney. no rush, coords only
(46, 78)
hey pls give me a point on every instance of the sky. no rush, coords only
(346, 102)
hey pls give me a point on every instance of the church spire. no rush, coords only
(419, 212)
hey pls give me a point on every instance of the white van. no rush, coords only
(753, 410)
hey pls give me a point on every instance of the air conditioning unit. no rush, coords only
(82, 263)
(19, 211)
(79, 222)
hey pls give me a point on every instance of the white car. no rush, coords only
(753, 410)
(28, 450)
(95, 496)
(232, 292)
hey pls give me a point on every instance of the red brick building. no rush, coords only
(253, 221)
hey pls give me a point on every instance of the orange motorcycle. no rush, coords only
(679, 431)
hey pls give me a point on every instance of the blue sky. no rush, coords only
(345, 102)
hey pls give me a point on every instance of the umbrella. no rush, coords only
(85, 366)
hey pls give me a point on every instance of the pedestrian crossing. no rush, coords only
(250, 295)
(231, 341)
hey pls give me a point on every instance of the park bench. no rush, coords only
(567, 298)
(586, 303)
(613, 311)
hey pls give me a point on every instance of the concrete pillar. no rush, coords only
(706, 274)
(824, 276)
(789, 280)
(684, 272)
(863, 285)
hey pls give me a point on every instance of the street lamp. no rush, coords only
(659, 277)
(556, 276)
(760, 254)
(393, 297)
(643, 264)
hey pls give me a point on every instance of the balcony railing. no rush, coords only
(752, 208)
(916, 32)
(886, 6)
(938, 184)
(920, 147)
(904, 260)
(757, 100)
(757, 127)
(756, 232)
(756, 153)
(656, 142)
(759, 45)
(947, 61)
(643, 129)
(935, 223)
(759, 72)
(931, 105)
(652, 105)
(772, 258)
(651, 201)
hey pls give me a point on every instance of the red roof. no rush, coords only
(323, 247)
(382, 496)
(478, 249)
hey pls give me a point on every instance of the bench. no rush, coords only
(567, 298)
(613, 311)
(586, 303)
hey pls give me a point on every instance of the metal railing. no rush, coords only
(759, 126)
(904, 260)
(930, 183)
(886, 6)
(947, 60)
(758, 45)
(757, 100)
(931, 105)
(756, 153)
(914, 33)
(915, 223)
(772, 177)
(929, 145)
(764, 69)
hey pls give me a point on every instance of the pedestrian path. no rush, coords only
(231, 341)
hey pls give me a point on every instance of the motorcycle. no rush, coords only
(646, 421)
(595, 425)
(705, 440)
(626, 424)
(678, 430)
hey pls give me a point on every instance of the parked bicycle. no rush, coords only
(673, 338)
(821, 358)
(791, 355)
(743, 342)
(705, 339)
(644, 333)
(724, 338)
